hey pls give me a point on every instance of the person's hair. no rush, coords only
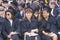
(47, 9)
(11, 11)
(29, 10)
(48, 12)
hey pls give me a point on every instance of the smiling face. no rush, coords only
(45, 14)
(28, 15)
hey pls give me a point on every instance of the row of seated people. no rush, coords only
(29, 28)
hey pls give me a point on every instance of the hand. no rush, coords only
(12, 33)
(45, 33)
(51, 34)
(27, 33)
(9, 36)
(34, 30)
(11, 39)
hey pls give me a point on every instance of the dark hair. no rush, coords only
(11, 11)
(47, 9)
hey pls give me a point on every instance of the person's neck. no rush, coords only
(46, 18)
(9, 19)
(29, 19)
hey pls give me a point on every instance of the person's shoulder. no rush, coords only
(2, 19)
(51, 17)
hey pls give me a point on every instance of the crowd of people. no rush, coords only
(29, 19)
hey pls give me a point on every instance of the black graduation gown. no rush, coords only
(14, 28)
(27, 26)
(48, 26)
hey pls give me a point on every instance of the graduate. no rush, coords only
(29, 25)
(1, 27)
(1, 22)
(11, 26)
(47, 25)
(58, 23)
(37, 15)
(20, 11)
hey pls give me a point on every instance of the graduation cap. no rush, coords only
(47, 8)
(9, 10)
(22, 4)
(14, 11)
(34, 7)
(14, 3)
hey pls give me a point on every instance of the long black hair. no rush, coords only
(11, 11)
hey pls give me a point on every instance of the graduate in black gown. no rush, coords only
(29, 25)
(47, 25)
(1, 28)
(11, 26)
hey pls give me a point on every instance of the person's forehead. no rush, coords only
(19, 6)
(44, 11)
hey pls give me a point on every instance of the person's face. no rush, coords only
(2, 12)
(1, 1)
(28, 14)
(58, 3)
(36, 13)
(6, 5)
(45, 14)
(20, 7)
(52, 5)
(1, 8)
(8, 15)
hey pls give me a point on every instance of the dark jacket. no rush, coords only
(58, 23)
(1, 26)
(28, 26)
(18, 15)
(48, 26)
(55, 12)
(14, 28)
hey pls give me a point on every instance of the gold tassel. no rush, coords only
(39, 17)
(46, 2)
